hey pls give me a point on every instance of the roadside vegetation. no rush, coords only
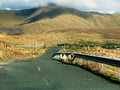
(51, 25)
(15, 48)
(110, 50)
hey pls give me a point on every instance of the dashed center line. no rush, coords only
(45, 80)
(39, 69)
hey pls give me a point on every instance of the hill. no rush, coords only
(54, 24)
(63, 18)
(11, 19)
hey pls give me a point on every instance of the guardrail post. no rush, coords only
(89, 62)
(81, 60)
(101, 67)
(119, 73)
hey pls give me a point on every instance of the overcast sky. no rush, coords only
(102, 6)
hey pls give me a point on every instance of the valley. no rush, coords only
(52, 25)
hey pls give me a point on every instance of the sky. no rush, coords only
(101, 6)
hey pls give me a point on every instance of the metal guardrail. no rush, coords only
(100, 59)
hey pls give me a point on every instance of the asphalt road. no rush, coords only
(46, 74)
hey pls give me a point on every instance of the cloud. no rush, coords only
(103, 6)
(27, 0)
(8, 9)
(107, 6)
(10, 0)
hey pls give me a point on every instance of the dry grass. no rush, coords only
(11, 48)
(58, 23)
(105, 21)
(53, 38)
(63, 28)
(74, 26)
(109, 71)
(101, 52)
(68, 21)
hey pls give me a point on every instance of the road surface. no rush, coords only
(45, 74)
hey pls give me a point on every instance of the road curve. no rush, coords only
(46, 74)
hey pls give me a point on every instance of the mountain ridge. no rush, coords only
(98, 20)
(40, 21)
(52, 11)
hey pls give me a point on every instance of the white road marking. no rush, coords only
(39, 69)
(8, 69)
(45, 80)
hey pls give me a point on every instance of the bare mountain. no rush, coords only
(53, 22)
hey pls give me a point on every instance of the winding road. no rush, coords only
(46, 74)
